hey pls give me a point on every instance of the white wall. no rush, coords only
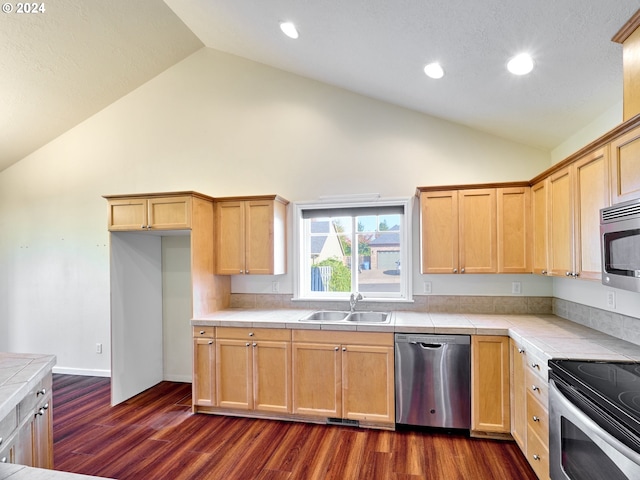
(221, 125)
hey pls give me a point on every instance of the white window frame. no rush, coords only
(302, 287)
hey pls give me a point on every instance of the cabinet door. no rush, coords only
(625, 167)
(234, 374)
(259, 237)
(518, 395)
(514, 230)
(42, 436)
(439, 231)
(561, 224)
(317, 379)
(539, 215)
(478, 237)
(367, 383)
(127, 214)
(272, 376)
(490, 384)
(591, 194)
(170, 213)
(230, 245)
(204, 367)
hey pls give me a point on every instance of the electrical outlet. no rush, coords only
(275, 287)
(427, 287)
(98, 348)
(611, 299)
(516, 288)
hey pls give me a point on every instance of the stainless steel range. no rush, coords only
(594, 420)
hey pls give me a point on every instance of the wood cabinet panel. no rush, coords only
(439, 231)
(127, 214)
(625, 167)
(169, 213)
(367, 382)
(490, 402)
(591, 194)
(317, 379)
(514, 230)
(272, 376)
(478, 240)
(518, 359)
(234, 374)
(561, 251)
(538, 455)
(204, 367)
(540, 238)
(230, 238)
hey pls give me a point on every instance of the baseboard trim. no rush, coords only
(178, 378)
(86, 372)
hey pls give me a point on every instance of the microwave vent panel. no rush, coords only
(621, 211)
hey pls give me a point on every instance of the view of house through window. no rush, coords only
(353, 249)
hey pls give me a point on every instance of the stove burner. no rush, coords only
(608, 372)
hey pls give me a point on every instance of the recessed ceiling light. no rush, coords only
(434, 70)
(520, 64)
(289, 29)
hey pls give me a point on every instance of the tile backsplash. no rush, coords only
(421, 303)
(614, 324)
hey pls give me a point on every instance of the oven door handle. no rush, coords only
(599, 436)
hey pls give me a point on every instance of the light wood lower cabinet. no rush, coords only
(518, 362)
(204, 367)
(253, 369)
(490, 403)
(344, 375)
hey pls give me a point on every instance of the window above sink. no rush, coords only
(345, 247)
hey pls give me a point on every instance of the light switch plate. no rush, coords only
(427, 287)
(516, 288)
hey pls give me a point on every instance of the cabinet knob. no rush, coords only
(3, 460)
(455, 270)
(535, 388)
(568, 274)
(462, 270)
(535, 365)
(41, 392)
(544, 272)
(536, 457)
(1, 440)
(247, 344)
(344, 349)
(336, 348)
(521, 350)
(255, 345)
(251, 334)
(247, 272)
(143, 226)
(536, 419)
(201, 332)
(210, 342)
(576, 274)
(40, 412)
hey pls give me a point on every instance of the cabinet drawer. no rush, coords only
(203, 332)
(537, 366)
(537, 455)
(343, 338)
(538, 388)
(537, 417)
(33, 399)
(241, 333)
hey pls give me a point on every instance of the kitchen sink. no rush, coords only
(325, 316)
(369, 317)
(334, 316)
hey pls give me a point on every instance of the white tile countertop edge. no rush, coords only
(546, 336)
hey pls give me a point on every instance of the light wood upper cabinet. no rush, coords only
(476, 230)
(576, 194)
(561, 246)
(490, 402)
(539, 216)
(251, 236)
(591, 194)
(625, 167)
(149, 213)
(439, 231)
(514, 230)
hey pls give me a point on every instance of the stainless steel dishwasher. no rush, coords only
(433, 380)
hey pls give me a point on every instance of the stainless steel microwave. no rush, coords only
(620, 245)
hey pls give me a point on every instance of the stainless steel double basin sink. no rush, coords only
(334, 316)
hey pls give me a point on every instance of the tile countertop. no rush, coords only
(19, 373)
(546, 336)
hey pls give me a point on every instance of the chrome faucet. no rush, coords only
(353, 300)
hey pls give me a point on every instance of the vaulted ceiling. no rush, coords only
(59, 67)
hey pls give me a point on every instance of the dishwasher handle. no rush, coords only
(427, 346)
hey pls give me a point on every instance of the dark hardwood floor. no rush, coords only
(155, 436)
